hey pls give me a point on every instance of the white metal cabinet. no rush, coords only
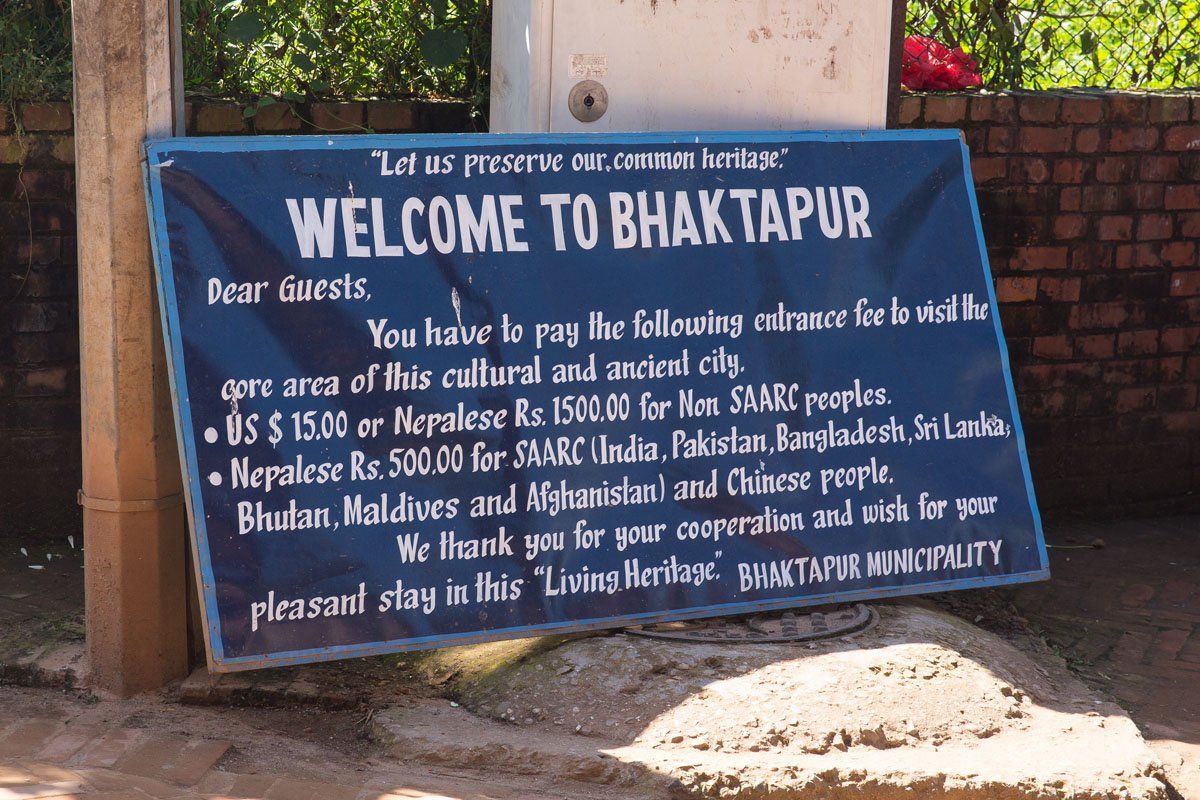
(690, 64)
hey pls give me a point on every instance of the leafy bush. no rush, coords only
(300, 49)
(35, 50)
(294, 49)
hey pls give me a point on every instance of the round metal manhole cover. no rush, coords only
(767, 628)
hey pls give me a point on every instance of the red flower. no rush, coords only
(929, 64)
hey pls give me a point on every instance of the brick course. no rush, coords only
(1090, 209)
(1096, 201)
(39, 321)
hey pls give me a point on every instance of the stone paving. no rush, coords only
(1128, 612)
(1123, 606)
(31, 779)
(127, 751)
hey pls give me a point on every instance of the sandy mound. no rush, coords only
(777, 699)
(922, 703)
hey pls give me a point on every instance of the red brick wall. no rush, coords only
(1091, 210)
(39, 324)
(39, 328)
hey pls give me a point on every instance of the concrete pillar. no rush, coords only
(126, 89)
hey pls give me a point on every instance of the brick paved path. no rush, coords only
(54, 745)
(1127, 616)
(50, 759)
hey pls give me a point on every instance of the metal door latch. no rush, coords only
(588, 101)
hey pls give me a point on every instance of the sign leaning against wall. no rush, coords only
(436, 390)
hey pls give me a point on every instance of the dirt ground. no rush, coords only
(1124, 617)
(924, 705)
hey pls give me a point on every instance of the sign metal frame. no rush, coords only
(218, 663)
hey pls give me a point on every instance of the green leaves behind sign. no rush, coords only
(244, 28)
(1087, 43)
(302, 62)
(250, 111)
(441, 47)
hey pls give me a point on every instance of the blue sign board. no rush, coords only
(442, 389)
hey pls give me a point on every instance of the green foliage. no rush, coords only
(1047, 44)
(298, 50)
(35, 50)
(294, 50)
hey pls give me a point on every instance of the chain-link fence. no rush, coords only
(1050, 44)
(298, 49)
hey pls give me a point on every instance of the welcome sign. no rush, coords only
(434, 390)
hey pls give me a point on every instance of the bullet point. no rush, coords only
(214, 478)
(211, 436)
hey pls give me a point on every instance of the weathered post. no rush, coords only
(126, 89)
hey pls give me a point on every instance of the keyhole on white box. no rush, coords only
(588, 101)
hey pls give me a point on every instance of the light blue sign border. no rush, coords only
(155, 151)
